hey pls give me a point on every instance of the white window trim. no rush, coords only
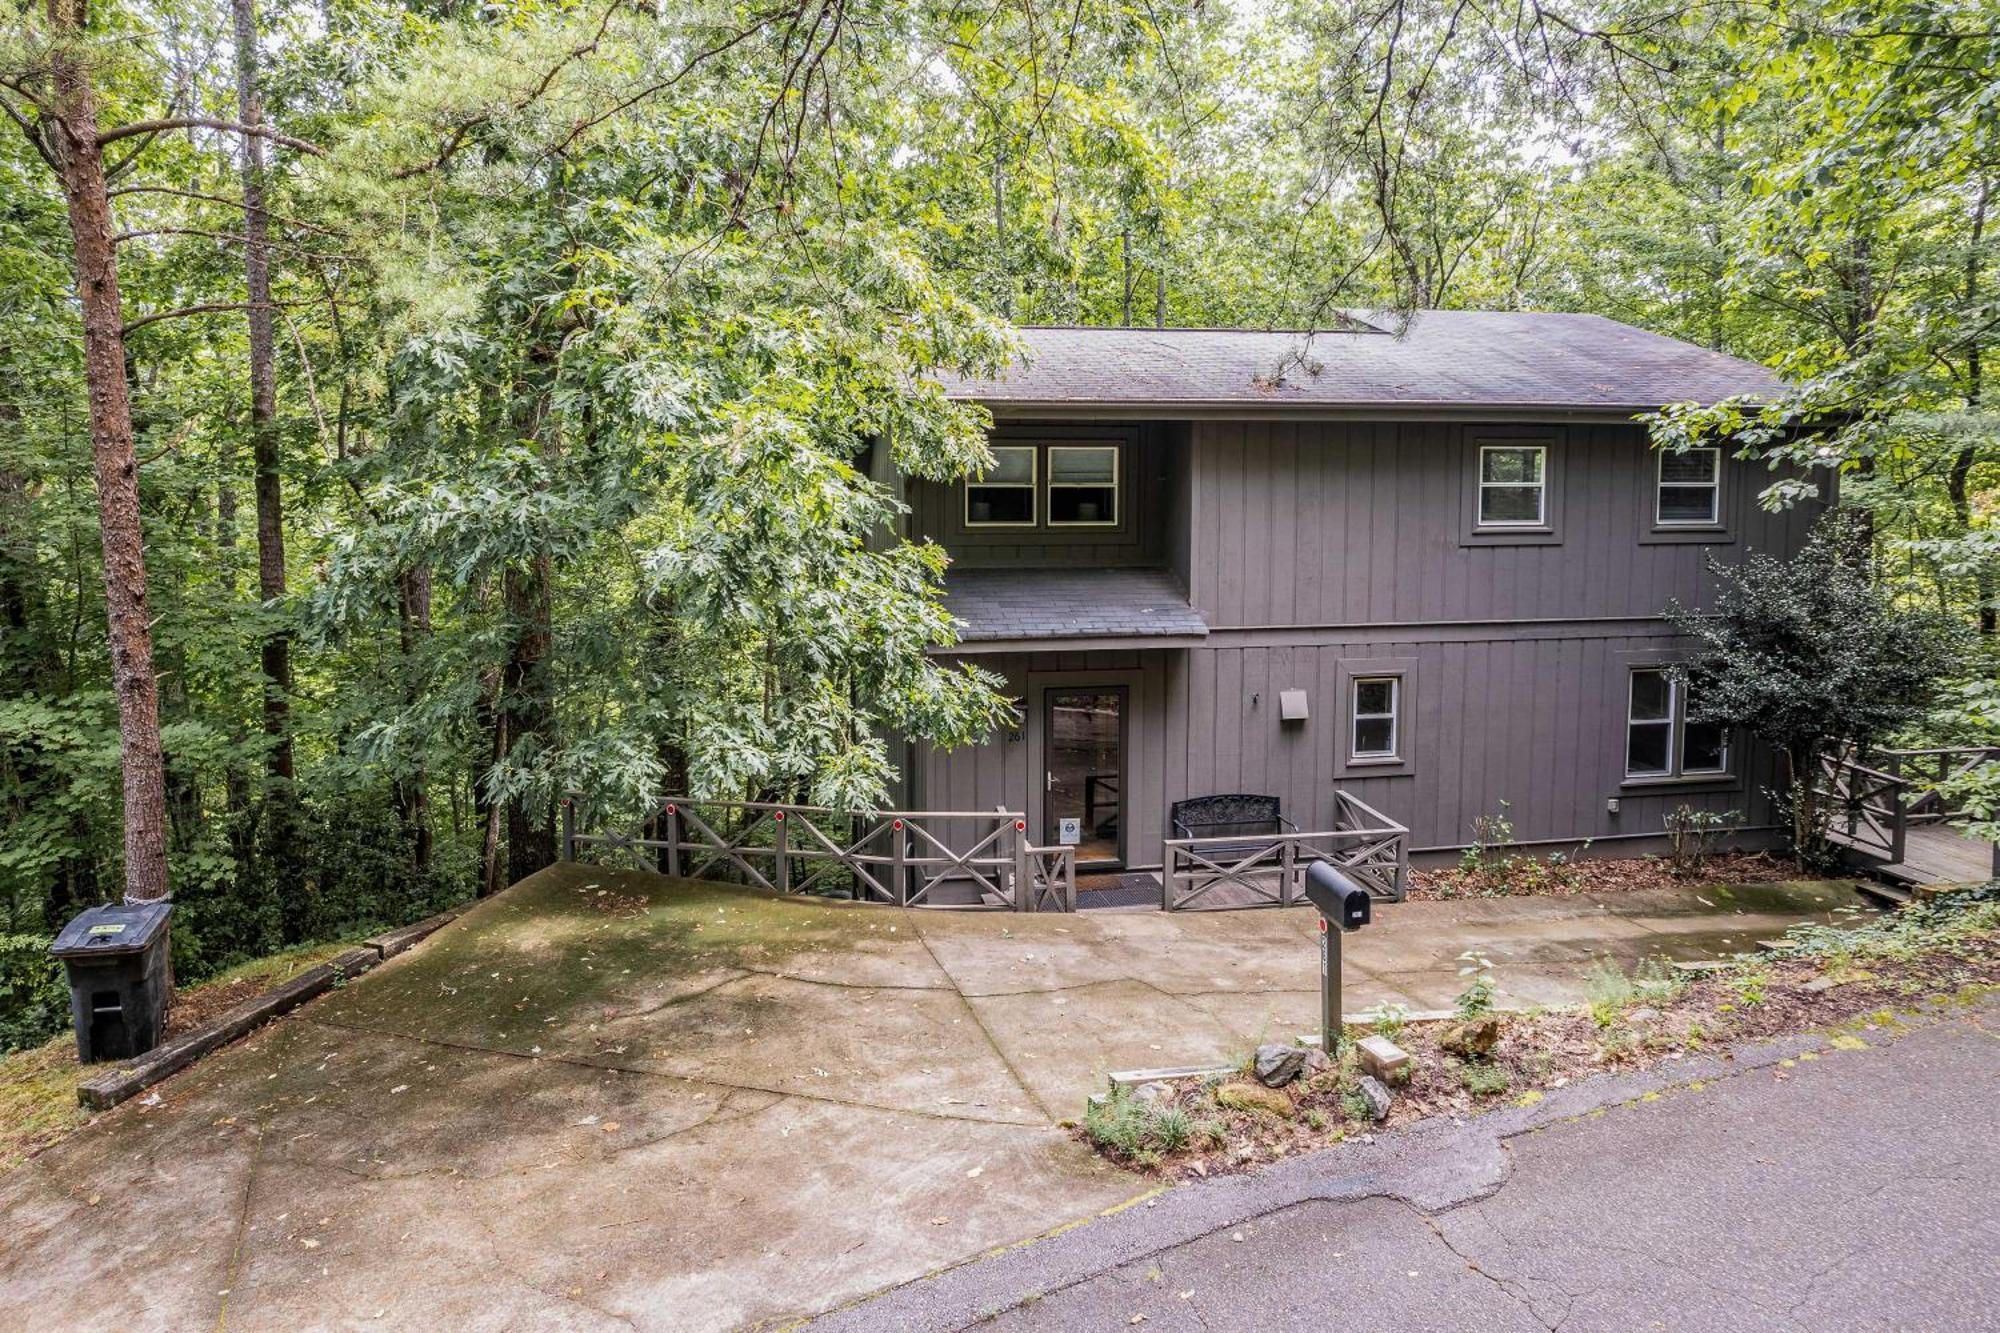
(1541, 485)
(1713, 485)
(1355, 717)
(1117, 489)
(1676, 724)
(1032, 486)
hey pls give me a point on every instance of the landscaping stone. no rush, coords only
(1256, 1097)
(1474, 1039)
(1377, 1096)
(1645, 1013)
(1277, 1065)
(1154, 1094)
(1384, 1059)
(1316, 1061)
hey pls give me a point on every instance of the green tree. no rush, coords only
(1812, 656)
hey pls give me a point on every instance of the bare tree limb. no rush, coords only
(205, 123)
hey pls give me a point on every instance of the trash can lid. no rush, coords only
(111, 929)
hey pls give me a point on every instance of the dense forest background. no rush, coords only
(497, 373)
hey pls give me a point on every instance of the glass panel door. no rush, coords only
(1085, 751)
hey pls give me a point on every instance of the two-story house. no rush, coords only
(1426, 569)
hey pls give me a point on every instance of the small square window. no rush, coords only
(1374, 715)
(1513, 485)
(1083, 486)
(1004, 495)
(1690, 488)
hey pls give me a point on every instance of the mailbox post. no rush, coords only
(1343, 905)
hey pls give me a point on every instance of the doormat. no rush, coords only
(1134, 889)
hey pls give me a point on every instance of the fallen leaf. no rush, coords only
(610, 1126)
(974, 1173)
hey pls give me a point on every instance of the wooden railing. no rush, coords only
(1933, 768)
(1268, 870)
(1872, 806)
(911, 858)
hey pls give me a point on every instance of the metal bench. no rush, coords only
(1250, 822)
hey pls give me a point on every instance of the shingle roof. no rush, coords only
(1458, 359)
(1069, 603)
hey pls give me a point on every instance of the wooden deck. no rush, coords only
(1942, 854)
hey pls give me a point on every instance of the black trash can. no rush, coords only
(118, 978)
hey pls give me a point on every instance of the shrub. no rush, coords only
(34, 997)
(1692, 835)
(1477, 997)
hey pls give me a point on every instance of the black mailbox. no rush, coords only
(118, 978)
(1342, 901)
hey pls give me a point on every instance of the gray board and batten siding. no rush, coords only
(1317, 543)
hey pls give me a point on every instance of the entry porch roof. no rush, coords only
(1002, 609)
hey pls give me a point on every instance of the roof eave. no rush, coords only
(1222, 410)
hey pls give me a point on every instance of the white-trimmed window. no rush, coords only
(1373, 728)
(1513, 485)
(1083, 485)
(1690, 489)
(1004, 495)
(1660, 742)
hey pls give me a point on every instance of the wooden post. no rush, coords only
(1024, 871)
(674, 841)
(1288, 861)
(898, 857)
(779, 839)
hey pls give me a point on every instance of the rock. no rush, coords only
(1255, 1097)
(1475, 1038)
(1277, 1065)
(1376, 1095)
(1645, 1013)
(1155, 1093)
(1384, 1059)
(1316, 1061)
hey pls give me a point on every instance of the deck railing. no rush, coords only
(911, 858)
(1268, 870)
(1872, 806)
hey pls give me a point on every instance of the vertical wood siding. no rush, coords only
(1340, 523)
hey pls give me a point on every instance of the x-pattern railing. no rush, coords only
(901, 857)
(1267, 870)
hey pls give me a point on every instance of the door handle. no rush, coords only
(1048, 779)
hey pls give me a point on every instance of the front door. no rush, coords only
(1084, 747)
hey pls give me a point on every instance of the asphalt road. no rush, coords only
(1795, 1185)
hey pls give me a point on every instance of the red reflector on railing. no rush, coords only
(1020, 826)
(896, 824)
(778, 815)
(673, 809)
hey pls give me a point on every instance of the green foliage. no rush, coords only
(34, 998)
(1127, 1127)
(1477, 998)
(1809, 654)
(1610, 990)
(1692, 834)
(1483, 1079)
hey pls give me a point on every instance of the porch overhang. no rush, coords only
(1013, 610)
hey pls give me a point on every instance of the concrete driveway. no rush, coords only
(609, 1099)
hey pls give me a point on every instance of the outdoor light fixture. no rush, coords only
(1291, 705)
(1343, 906)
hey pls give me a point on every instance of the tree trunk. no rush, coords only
(72, 142)
(277, 654)
(524, 694)
(1958, 483)
(414, 625)
(486, 814)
